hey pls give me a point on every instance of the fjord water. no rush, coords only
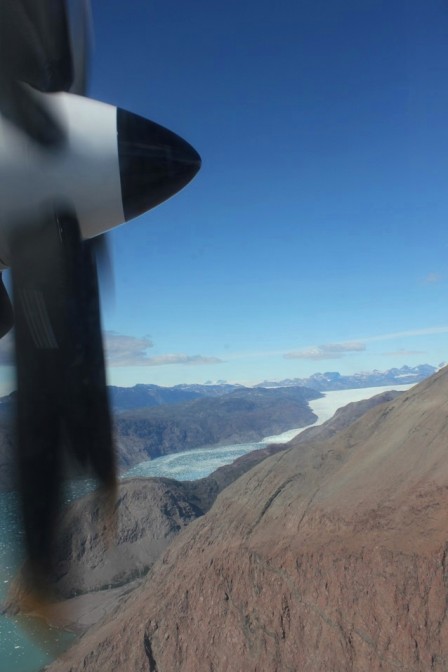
(20, 651)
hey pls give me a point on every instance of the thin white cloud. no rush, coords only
(337, 350)
(181, 358)
(403, 353)
(326, 351)
(432, 278)
(427, 331)
(122, 350)
(317, 352)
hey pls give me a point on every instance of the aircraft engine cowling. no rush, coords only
(113, 166)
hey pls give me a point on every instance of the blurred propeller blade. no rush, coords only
(81, 41)
(20, 105)
(62, 402)
(101, 250)
(36, 50)
(35, 44)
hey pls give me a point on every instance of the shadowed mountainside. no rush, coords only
(144, 395)
(331, 556)
(242, 415)
(150, 513)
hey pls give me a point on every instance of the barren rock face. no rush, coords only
(331, 556)
(149, 515)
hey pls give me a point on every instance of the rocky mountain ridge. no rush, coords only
(145, 395)
(329, 556)
(333, 380)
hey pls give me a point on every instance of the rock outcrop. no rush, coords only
(330, 556)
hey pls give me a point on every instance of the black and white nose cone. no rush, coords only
(154, 163)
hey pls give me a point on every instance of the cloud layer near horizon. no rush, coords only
(403, 353)
(327, 351)
(122, 350)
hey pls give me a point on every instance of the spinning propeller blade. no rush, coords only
(37, 49)
(62, 395)
(81, 42)
(34, 51)
(62, 402)
(71, 169)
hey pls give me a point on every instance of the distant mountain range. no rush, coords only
(139, 396)
(152, 420)
(146, 396)
(333, 380)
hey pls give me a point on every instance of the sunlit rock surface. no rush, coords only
(331, 556)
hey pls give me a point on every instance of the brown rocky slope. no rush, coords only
(150, 512)
(331, 556)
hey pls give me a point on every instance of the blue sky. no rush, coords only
(315, 237)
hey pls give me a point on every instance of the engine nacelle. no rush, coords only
(113, 166)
